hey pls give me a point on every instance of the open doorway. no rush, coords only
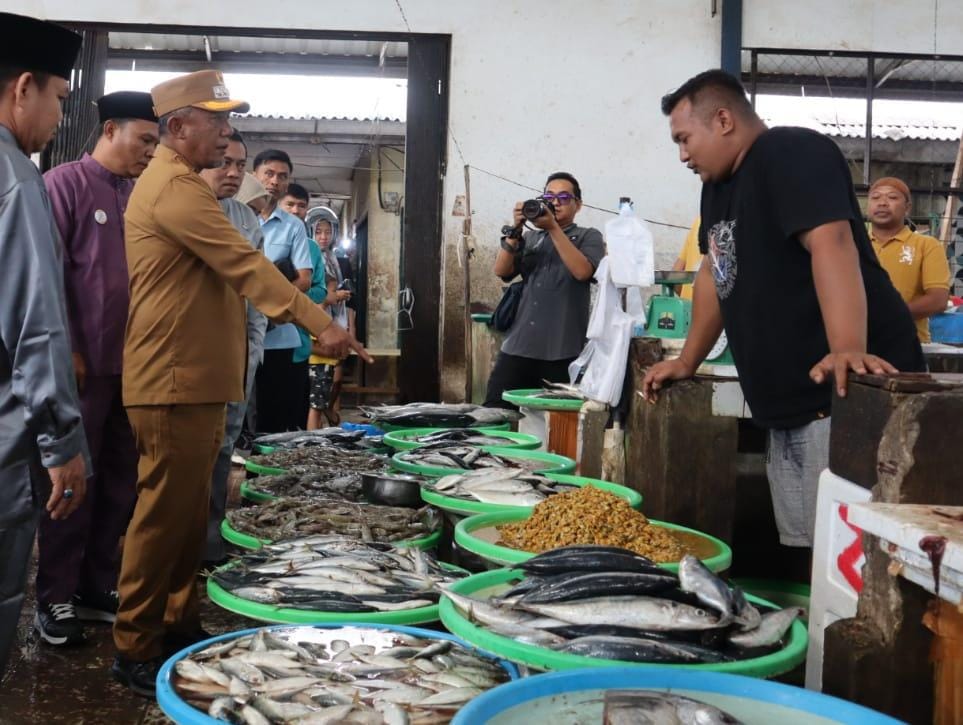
(338, 104)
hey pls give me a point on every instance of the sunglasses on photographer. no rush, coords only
(562, 198)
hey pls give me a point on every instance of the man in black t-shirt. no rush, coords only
(791, 276)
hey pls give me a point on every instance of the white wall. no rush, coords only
(535, 88)
(894, 26)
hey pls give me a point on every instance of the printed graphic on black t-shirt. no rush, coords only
(722, 254)
(791, 180)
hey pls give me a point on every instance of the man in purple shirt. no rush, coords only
(78, 564)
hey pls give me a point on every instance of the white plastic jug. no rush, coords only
(630, 248)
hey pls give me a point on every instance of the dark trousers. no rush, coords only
(165, 540)
(282, 393)
(512, 372)
(80, 553)
(16, 544)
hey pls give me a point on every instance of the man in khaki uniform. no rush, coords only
(916, 263)
(184, 359)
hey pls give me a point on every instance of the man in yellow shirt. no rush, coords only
(689, 257)
(916, 263)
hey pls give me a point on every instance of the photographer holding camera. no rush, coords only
(556, 262)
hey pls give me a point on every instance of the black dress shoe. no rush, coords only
(140, 677)
(176, 641)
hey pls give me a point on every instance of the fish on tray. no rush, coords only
(353, 440)
(650, 707)
(446, 455)
(610, 603)
(559, 391)
(322, 460)
(336, 574)
(466, 436)
(314, 484)
(503, 486)
(342, 675)
(439, 415)
(289, 517)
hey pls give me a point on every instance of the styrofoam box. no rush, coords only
(837, 566)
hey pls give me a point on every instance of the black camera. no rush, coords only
(534, 208)
(346, 285)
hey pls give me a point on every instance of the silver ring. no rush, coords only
(68, 493)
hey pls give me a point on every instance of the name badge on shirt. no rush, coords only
(100, 216)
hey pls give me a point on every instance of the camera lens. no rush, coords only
(533, 209)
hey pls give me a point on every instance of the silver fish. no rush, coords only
(695, 578)
(628, 611)
(644, 707)
(771, 629)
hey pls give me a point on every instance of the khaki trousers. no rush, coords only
(177, 445)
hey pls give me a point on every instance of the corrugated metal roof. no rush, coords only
(230, 43)
(912, 130)
(269, 117)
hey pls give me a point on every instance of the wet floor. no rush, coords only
(72, 685)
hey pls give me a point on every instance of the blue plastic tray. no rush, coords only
(541, 698)
(180, 712)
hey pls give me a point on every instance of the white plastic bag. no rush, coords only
(630, 247)
(606, 354)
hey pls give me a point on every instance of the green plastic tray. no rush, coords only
(249, 542)
(522, 398)
(263, 470)
(256, 496)
(543, 658)
(719, 561)
(463, 506)
(285, 615)
(485, 317)
(554, 463)
(400, 440)
(263, 450)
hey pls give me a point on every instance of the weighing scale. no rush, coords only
(669, 317)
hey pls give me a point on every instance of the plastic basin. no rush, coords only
(554, 463)
(246, 541)
(400, 440)
(272, 613)
(466, 507)
(523, 398)
(477, 535)
(543, 658)
(574, 696)
(184, 714)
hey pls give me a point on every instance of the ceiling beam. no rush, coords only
(186, 61)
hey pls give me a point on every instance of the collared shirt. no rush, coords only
(39, 408)
(245, 221)
(915, 263)
(285, 237)
(88, 206)
(189, 268)
(553, 312)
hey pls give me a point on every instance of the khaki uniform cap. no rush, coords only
(204, 89)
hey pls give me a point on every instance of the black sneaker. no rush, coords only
(57, 624)
(99, 607)
(140, 677)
